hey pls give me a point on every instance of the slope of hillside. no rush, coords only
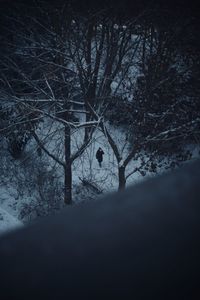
(7, 221)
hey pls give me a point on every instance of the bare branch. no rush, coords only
(41, 145)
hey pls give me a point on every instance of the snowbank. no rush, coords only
(7, 221)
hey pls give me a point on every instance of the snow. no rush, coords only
(105, 177)
(8, 207)
(8, 222)
(121, 163)
(24, 182)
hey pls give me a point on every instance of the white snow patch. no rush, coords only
(7, 221)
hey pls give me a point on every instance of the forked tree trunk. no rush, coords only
(122, 178)
(68, 167)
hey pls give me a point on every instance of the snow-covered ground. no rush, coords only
(20, 187)
(105, 177)
(7, 221)
(33, 186)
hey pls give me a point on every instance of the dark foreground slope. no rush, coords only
(142, 244)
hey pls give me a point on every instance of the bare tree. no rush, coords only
(161, 115)
(37, 77)
(101, 51)
(62, 63)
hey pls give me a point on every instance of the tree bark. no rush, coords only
(89, 100)
(122, 178)
(68, 167)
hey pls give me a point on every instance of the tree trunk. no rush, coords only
(122, 178)
(89, 98)
(87, 130)
(68, 167)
